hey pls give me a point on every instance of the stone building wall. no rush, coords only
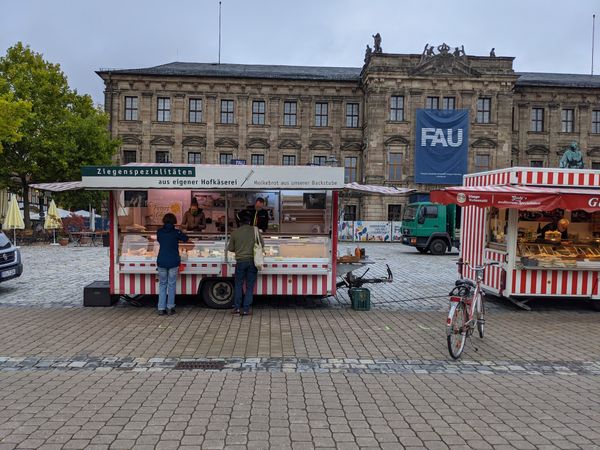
(506, 140)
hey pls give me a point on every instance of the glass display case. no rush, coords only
(548, 255)
(316, 247)
(143, 247)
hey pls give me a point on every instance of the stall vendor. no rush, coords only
(260, 217)
(193, 219)
(557, 224)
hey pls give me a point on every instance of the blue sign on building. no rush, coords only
(441, 146)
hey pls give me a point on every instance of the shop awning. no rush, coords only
(376, 189)
(520, 197)
(58, 187)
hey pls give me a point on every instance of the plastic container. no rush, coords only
(360, 299)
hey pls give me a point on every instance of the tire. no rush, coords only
(481, 318)
(438, 247)
(595, 304)
(218, 294)
(456, 335)
(423, 250)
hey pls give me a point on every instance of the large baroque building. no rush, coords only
(360, 118)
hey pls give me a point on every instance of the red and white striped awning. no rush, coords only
(520, 197)
(376, 189)
(58, 187)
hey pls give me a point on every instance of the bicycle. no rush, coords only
(467, 309)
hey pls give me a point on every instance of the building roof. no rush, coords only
(245, 71)
(568, 80)
(315, 73)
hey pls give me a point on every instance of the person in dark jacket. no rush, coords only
(168, 263)
(260, 216)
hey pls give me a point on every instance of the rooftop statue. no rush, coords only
(377, 43)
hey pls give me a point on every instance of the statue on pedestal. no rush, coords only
(572, 158)
(368, 53)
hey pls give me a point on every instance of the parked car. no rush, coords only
(11, 265)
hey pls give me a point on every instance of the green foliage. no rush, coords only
(62, 131)
(12, 115)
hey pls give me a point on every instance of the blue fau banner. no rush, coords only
(441, 147)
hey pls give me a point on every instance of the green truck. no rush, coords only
(431, 227)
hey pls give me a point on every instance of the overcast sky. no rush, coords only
(85, 35)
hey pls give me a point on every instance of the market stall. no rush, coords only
(542, 226)
(300, 241)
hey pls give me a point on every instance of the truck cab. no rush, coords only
(431, 227)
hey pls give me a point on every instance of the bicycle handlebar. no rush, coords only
(483, 266)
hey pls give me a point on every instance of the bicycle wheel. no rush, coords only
(481, 317)
(456, 334)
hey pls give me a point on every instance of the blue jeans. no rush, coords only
(244, 270)
(167, 281)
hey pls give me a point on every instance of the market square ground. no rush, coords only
(294, 375)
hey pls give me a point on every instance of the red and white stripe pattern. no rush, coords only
(497, 177)
(189, 284)
(568, 282)
(557, 177)
(472, 238)
(495, 276)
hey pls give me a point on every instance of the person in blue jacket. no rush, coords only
(168, 263)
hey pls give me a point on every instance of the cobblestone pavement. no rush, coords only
(294, 374)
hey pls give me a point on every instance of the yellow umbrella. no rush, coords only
(53, 221)
(13, 220)
(3, 202)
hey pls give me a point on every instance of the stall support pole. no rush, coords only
(226, 226)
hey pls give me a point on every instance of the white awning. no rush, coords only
(58, 187)
(376, 189)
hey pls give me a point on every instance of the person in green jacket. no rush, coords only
(242, 244)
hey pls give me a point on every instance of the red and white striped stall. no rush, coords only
(503, 214)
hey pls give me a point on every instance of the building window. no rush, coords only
(289, 160)
(162, 157)
(129, 156)
(537, 119)
(258, 112)
(536, 163)
(449, 103)
(350, 213)
(319, 160)
(194, 158)
(596, 121)
(432, 103)
(352, 115)
(226, 111)
(131, 108)
(164, 109)
(394, 166)
(321, 114)
(596, 165)
(484, 107)
(350, 169)
(195, 110)
(482, 163)
(225, 158)
(257, 160)
(567, 120)
(397, 108)
(289, 114)
(394, 213)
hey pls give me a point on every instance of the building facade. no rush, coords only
(360, 118)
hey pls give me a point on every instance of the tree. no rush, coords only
(12, 115)
(62, 132)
